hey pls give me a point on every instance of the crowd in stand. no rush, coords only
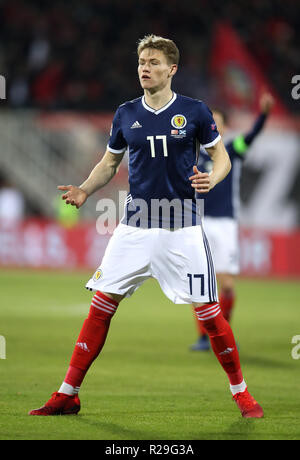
(79, 54)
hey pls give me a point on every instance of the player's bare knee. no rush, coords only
(115, 297)
(197, 305)
(226, 283)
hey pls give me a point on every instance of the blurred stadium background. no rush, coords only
(68, 65)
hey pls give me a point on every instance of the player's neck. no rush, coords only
(158, 99)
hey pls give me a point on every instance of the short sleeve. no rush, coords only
(117, 143)
(208, 134)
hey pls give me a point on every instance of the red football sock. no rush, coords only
(91, 338)
(200, 328)
(227, 299)
(222, 340)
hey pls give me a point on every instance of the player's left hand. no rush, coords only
(266, 102)
(201, 182)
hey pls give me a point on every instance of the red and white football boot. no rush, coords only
(59, 404)
(248, 406)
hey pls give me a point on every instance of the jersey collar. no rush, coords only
(165, 107)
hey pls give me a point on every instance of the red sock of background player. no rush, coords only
(227, 299)
(200, 328)
(223, 343)
(90, 342)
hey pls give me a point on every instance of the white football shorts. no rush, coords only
(223, 237)
(180, 260)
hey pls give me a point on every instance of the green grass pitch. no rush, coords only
(146, 384)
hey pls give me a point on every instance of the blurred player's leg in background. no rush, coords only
(227, 294)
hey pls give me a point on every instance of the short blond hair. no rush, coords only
(165, 45)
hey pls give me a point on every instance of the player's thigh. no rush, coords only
(126, 262)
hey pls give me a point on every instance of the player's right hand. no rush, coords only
(74, 195)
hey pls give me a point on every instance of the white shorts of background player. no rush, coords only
(223, 237)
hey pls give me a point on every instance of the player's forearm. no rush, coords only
(221, 163)
(256, 129)
(220, 170)
(103, 172)
(97, 179)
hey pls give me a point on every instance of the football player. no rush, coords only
(162, 131)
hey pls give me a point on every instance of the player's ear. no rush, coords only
(173, 70)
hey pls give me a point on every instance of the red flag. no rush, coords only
(237, 76)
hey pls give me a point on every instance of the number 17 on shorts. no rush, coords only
(196, 283)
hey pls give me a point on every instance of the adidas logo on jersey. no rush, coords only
(83, 346)
(136, 125)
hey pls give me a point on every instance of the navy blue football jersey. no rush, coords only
(163, 146)
(224, 199)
